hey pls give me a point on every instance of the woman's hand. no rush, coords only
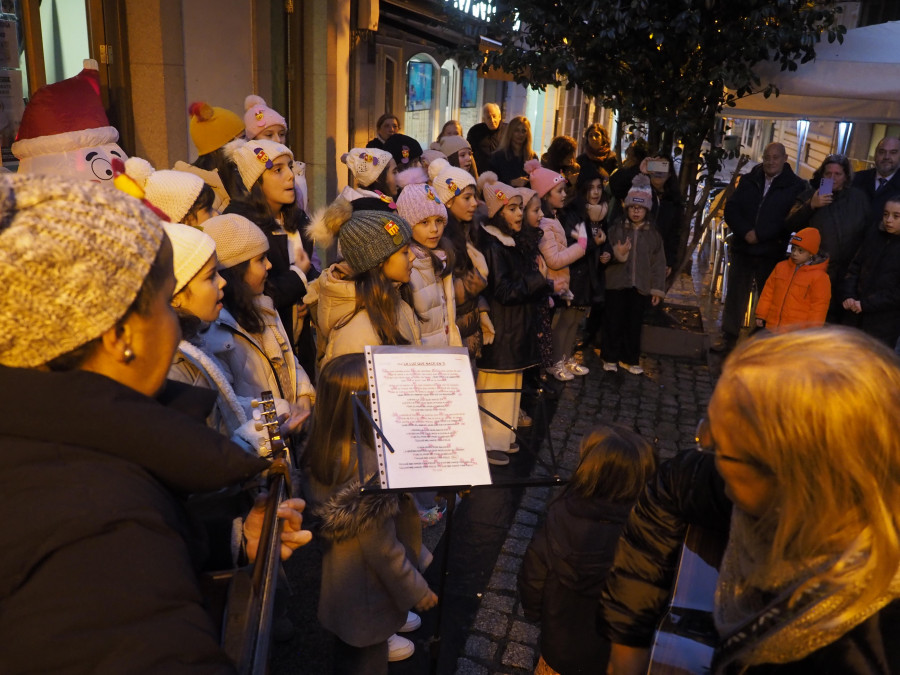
(293, 536)
(817, 201)
(300, 411)
(430, 600)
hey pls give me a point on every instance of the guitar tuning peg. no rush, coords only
(254, 403)
(259, 426)
(257, 414)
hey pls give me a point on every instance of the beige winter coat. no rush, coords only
(331, 299)
(434, 302)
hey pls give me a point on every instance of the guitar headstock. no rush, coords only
(267, 416)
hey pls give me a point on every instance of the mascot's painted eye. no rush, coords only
(101, 168)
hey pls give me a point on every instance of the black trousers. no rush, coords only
(623, 318)
(743, 271)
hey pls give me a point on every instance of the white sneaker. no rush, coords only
(558, 370)
(576, 368)
(399, 648)
(413, 621)
(634, 370)
(610, 366)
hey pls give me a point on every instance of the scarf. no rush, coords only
(819, 618)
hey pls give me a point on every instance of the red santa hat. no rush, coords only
(65, 116)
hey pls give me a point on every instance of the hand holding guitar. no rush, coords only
(293, 536)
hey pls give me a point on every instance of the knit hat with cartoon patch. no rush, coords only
(366, 164)
(172, 192)
(404, 149)
(73, 256)
(369, 238)
(252, 158)
(258, 117)
(417, 202)
(496, 194)
(447, 180)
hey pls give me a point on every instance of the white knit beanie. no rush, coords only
(172, 192)
(237, 239)
(366, 164)
(192, 248)
(448, 180)
(417, 202)
(252, 158)
(73, 256)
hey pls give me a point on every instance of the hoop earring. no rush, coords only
(128, 355)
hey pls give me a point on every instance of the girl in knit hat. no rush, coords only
(373, 169)
(635, 276)
(183, 197)
(456, 189)
(211, 128)
(558, 254)
(269, 201)
(430, 289)
(515, 286)
(458, 152)
(356, 302)
(256, 350)
(260, 121)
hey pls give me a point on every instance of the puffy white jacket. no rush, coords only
(434, 302)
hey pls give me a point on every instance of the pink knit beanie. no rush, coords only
(258, 116)
(542, 180)
(417, 202)
(496, 194)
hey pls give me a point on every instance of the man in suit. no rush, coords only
(884, 180)
(485, 136)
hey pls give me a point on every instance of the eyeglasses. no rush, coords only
(706, 444)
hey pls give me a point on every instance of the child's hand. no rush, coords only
(426, 603)
(579, 233)
(655, 300)
(560, 285)
(605, 257)
(301, 258)
(487, 328)
(621, 250)
(760, 323)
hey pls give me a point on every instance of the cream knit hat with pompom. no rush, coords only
(172, 192)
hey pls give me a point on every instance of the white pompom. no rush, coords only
(139, 170)
(436, 166)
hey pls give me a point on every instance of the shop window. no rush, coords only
(421, 105)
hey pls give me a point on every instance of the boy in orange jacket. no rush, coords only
(798, 291)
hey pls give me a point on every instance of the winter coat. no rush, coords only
(473, 281)
(507, 166)
(514, 289)
(434, 303)
(484, 141)
(586, 278)
(645, 267)
(796, 296)
(556, 251)
(688, 490)
(562, 575)
(332, 298)
(368, 580)
(609, 163)
(874, 280)
(842, 224)
(259, 362)
(747, 210)
(866, 181)
(98, 557)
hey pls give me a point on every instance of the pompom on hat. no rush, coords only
(542, 180)
(418, 202)
(172, 192)
(73, 256)
(366, 164)
(808, 238)
(253, 158)
(212, 127)
(258, 117)
(64, 116)
(496, 194)
(237, 239)
(447, 180)
(404, 149)
(192, 249)
(640, 193)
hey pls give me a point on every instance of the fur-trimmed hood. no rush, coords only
(347, 513)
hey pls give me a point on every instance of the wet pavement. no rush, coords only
(482, 628)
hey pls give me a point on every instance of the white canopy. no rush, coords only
(857, 81)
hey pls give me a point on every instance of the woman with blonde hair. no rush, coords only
(799, 463)
(508, 160)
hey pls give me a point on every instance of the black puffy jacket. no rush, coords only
(514, 288)
(688, 490)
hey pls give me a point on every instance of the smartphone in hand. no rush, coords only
(658, 166)
(826, 187)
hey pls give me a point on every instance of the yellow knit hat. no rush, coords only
(212, 127)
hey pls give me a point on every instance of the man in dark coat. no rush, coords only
(755, 213)
(485, 136)
(882, 181)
